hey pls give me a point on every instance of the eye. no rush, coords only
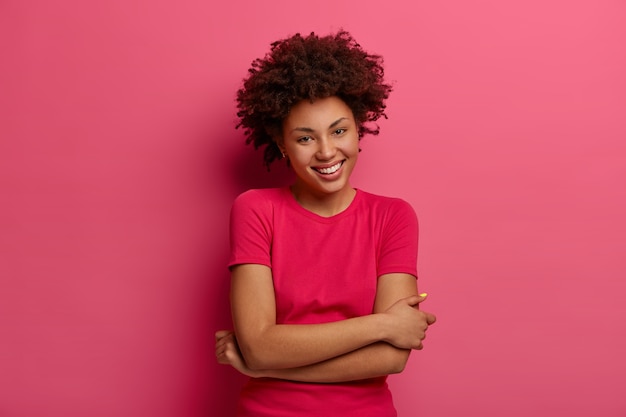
(339, 132)
(305, 139)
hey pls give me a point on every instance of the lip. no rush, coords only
(316, 167)
(329, 176)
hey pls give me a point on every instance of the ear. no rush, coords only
(280, 144)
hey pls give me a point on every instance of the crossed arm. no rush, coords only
(358, 348)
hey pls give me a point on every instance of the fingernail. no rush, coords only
(424, 294)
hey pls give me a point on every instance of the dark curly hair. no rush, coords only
(307, 68)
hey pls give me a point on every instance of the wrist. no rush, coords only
(381, 324)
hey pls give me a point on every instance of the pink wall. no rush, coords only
(119, 161)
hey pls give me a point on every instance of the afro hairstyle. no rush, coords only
(307, 68)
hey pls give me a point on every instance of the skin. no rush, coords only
(318, 137)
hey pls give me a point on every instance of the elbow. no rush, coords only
(257, 364)
(396, 359)
(254, 358)
(254, 366)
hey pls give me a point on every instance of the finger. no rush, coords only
(221, 359)
(416, 299)
(223, 343)
(220, 342)
(430, 318)
(222, 333)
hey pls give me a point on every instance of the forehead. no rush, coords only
(320, 113)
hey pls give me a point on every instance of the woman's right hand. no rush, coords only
(227, 352)
(407, 325)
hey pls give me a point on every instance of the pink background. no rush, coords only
(119, 161)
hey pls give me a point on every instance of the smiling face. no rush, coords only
(321, 140)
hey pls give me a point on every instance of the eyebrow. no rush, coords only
(309, 130)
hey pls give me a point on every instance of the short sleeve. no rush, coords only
(250, 230)
(398, 243)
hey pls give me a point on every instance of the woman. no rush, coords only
(323, 276)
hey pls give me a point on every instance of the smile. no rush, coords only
(329, 170)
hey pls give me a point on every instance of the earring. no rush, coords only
(283, 154)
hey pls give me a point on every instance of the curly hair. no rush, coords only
(307, 68)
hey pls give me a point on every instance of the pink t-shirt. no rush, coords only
(324, 269)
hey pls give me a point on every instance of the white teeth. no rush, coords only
(330, 170)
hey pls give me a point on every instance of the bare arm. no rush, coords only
(267, 345)
(377, 359)
(374, 359)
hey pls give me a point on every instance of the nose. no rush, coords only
(326, 149)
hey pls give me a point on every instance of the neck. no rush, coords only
(325, 205)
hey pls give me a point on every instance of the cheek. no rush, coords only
(353, 149)
(299, 159)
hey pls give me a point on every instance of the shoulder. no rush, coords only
(253, 212)
(259, 197)
(387, 206)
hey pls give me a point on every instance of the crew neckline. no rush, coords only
(291, 199)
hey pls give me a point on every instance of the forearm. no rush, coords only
(271, 346)
(371, 361)
(293, 346)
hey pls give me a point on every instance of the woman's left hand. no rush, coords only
(228, 353)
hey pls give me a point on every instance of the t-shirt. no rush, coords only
(324, 269)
